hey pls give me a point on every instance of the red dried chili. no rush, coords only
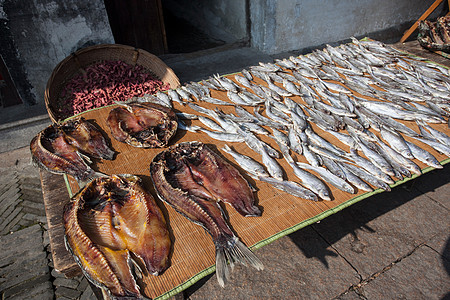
(104, 83)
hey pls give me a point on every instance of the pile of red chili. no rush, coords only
(103, 83)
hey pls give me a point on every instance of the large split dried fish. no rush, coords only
(193, 179)
(87, 138)
(51, 150)
(116, 231)
(144, 125)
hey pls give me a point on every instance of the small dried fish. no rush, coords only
(247, 163)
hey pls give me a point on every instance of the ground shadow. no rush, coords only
(357, 216)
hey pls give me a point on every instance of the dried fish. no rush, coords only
(193, 179)
(112, 224)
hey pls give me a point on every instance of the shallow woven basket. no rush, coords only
(79, 60)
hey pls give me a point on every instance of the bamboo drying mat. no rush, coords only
(193, 254)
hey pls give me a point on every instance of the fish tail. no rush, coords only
(233, 251)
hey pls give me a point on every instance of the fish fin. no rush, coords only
(233, 251)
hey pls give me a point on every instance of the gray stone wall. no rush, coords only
(285, 25)
(38, 34)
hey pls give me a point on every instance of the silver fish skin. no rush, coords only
(200, 109)
(271, 66)
(346, 139)
(250, 98)
(280, 136)
(323, 152)
(227, 124)
(312, 158)
(215, 101)
(191, 91)
(280, 91)
(236, 99)
(424, 156)
(202, 90)
(270, 112)
(213, 82)
(186, 116)
(291, 88)
(334, 110)
(396, 141)
(247, 163)
(273, 167)
(398, 157)
(329, 177)
(363, 174)
(243, 80)
(291, 187)
(439, 136)
(183, 94)
(295, 142)
(436, 146)
(268, 122)
(328, 76)
(354, 179)
(211, 124)
(254, 143)
(299, 123)
(227, 84)
(174, 96)
(288, 77)
(336, 87)
(374, 157)
(224, 136)
(275, 77)
(370, 167)
(353, 123)
(255, 128)
(164, 98)
(247, 74)
(208, 84)
(310, 181)
(334, 167)
(400, 127)
(190, 128)
(320, 141)
(285, 63)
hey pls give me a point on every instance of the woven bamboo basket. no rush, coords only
(79, 60)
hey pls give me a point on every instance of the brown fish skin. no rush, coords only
(146, 125)
(176, 185)
(116, 218)
(224, 182)
(50, 150)
(90, 258)
(87, 138)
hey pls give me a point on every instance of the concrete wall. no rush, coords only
(224, 20)
(36, 35)
(284, 25)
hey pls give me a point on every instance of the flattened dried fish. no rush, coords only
(146, 125)
(192, 179)
(111, 224)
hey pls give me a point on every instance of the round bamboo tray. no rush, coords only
(79, 60)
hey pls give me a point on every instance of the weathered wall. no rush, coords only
(37, 34)
(284, 25)
(224, 20)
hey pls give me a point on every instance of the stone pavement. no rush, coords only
(392, 245)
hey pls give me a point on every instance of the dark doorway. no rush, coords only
(150, 25)
(138, 23)
(183, 37)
